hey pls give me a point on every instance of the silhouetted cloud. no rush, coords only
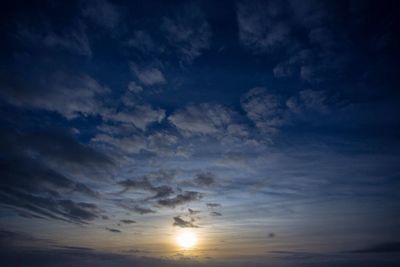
(204, 179)
(113, 230)
(178, 221)
(193, 212)
(180, 199)
(128, 221)
(393, 247)
(213, 205)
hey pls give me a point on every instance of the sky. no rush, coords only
(270, 130)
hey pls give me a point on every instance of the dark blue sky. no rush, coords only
(268, 129)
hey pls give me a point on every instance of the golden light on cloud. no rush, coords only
(186, 239)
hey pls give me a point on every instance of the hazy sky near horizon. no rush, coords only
(269, 129)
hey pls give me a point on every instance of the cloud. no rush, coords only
(112, 230)
(309, 100)
(38, 175)
(141, 210)
(135, 88)
(188, 32)
(143, 42)
(180, 199)
(63, 209)
(213, 205)
(73, 39)
(261, 26)
(392, 247)
(215, 213)
(102, 12)
(264, 109)
(71, 95)
(204, 179)
(178, 221)
(128, 221)
(193, 212)
(149, 76)
(140, 116)
(144, 184)
(202, 119)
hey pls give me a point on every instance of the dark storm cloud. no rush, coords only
(393, 247)
(128, 221)
(178, 221)
(180, 199)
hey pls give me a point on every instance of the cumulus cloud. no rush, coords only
(188, 31)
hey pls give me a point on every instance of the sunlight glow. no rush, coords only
(186, 239)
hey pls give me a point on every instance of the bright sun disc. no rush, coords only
(186, 239)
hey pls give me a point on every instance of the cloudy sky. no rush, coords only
(267, 129)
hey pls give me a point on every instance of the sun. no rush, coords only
(186, 239)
